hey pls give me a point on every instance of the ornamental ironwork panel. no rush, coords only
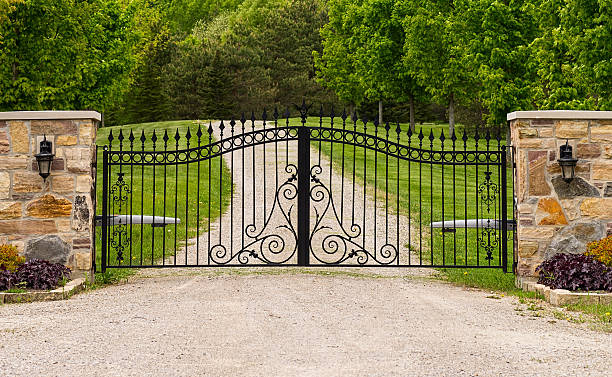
(331, 190)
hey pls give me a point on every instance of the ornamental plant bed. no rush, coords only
(33, 280)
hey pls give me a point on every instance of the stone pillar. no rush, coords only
(554, 216)
(50, 219)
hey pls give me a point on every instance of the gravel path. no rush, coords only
(249, 323)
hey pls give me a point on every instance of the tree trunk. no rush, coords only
(380, 111)
(451, 114)
(412, 113)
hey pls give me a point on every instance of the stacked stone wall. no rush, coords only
(554, 216)
(50, 219)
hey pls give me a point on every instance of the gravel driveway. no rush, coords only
(280, 322)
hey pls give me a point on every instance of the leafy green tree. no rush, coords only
(65, 55)
(573, 55)
(433, 52)
(495, 36)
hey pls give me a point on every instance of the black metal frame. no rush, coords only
(305, 183)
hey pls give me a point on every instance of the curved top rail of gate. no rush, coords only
(418, 148)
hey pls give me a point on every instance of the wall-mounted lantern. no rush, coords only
(45, 157)
(567, 162)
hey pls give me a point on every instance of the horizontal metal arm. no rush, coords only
(155, 221)
(472, 223)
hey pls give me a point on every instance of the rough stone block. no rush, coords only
(577, 187)
(48, 206)
(53, 127)
(27, 227)
(549, 212)
(83, 183)
(564, 297)
(14, 162)
(525, 133)
(542, 123)
(80, 215)
(526, 208)
(536, 232)
(4, 143)
(571, 129)
(527, 248)
(63, 226)
(536, 143)
(601, 133)
(66, 140)
(81, 243)
(607, 151)
(27, 182)
(571, 208)
(545, 132)
(86, 134)
(83, 261)
(51, 248)
(537, 173)
(608, 190)
(589, 150)
(10, 210)
(599, 208)
(62, 183)
(602, 170)
(20, 140)
(5, 185)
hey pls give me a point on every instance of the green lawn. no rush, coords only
(426, 193)
(151, 194)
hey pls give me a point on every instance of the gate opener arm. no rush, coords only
(451, 225)
(154, 221)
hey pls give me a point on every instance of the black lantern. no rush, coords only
(567, 162)
(44, 158)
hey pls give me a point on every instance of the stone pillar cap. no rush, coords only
(559, 114)
(49, 115)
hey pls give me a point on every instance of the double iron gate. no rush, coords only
(337, 191)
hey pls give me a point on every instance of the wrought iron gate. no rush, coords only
(281, 191)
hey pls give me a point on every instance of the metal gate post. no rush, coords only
(104, 208)
(504, 209)
(303, 196)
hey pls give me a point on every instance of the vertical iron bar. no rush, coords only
(365, 184)
(504, 210)
(142, 186)
(443, 215)
(165, 138)
(176, 168)
(131, 138)
(153, 138)
(104, 209)
(187, 137)
(208, 247)
(265, 116)
(303, 196)
(198, 155)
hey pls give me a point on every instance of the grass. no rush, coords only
(151, 194)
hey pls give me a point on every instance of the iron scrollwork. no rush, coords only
(119, 239)
(488, 238)
(338, 244)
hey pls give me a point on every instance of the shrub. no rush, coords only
(7, 280)
(10, 258)
(601, 250)
(575, 272)
(41, 274)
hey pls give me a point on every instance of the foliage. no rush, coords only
(10, 258)
(601, 250)
(7, 280)
(65, 55)
(183, 15)
(242, 62)
(575, 272)
(41, 274)
(572, 54)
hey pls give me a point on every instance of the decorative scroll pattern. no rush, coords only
(276, 241)
(337, 244)
(271, 135)
(488, 238)
(119, 239)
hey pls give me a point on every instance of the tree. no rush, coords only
(495, 36)
(573, 55)
(65, 55)
(433, 53)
